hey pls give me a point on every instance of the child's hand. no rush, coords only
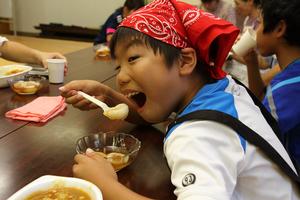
(234, 56)
(94, 168)
(94, 88)
(100, 91)
(250, 57)
(43, 56)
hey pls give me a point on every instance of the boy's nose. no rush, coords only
(122, 77)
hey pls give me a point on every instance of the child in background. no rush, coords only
(278, 34)
(222, 8)
(111, 24)
(170, 55)
(250, 9)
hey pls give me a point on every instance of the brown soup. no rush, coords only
(26, 87)
(61, 193)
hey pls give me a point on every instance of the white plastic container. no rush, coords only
(56, 69)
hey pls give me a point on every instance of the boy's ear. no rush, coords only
(280, 29)
(188, 61)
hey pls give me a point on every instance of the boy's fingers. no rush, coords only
(100, 156)
(82, 104)
(72, 99)
(73, 85)
(89, 152)
(79, 158)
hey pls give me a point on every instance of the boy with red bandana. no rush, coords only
(169, 56)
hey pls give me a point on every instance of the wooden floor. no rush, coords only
(50, 45)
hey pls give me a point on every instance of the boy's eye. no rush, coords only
(132, 58)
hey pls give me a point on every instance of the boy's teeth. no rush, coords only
(131, 94)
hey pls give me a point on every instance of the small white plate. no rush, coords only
(5, 69)
(46, 182)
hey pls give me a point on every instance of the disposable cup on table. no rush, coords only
(56, 70)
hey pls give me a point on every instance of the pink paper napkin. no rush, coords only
(39, 110)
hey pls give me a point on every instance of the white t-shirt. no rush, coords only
(210, 161)
(2, 40)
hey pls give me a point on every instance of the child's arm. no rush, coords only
(108, 37)
(20, 53)
(96, 169)
(256, 83)
(111, 25)
(101, 92)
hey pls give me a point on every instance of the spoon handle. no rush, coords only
(94, 100)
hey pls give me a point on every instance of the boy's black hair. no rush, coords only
(134, 4)
(256, 2)
(170, 53)
(274, 11)
(207, 1)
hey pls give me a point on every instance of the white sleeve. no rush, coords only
(2, 40)
(204, 158)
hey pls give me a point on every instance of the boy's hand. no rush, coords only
(93, 88)
(100, 91)
(237, 58)
(94, 168)
(251, 57)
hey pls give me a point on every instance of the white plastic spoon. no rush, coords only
(120, 111)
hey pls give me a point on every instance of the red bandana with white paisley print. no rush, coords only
(183, 25)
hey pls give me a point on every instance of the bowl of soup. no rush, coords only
(58, 187)
(120, 149)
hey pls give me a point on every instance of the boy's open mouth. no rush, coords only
(139, 98)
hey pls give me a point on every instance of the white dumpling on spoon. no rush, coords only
(118, 112)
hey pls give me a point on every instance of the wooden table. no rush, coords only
(30, 150)
(81, 65)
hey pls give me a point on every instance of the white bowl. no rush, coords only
(46, 182)
(21, 71)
